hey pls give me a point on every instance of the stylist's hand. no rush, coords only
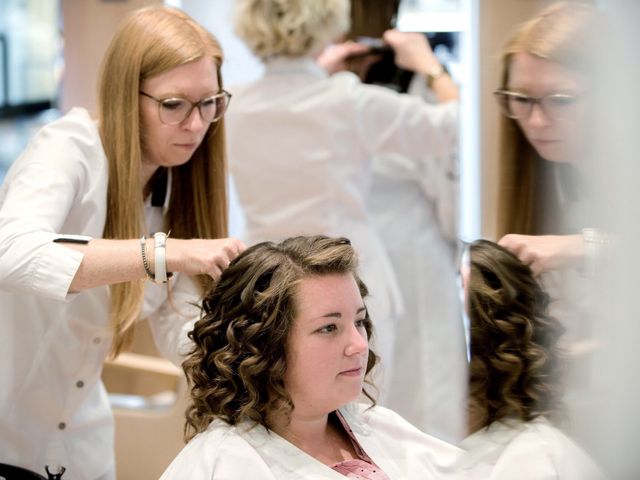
(333, 59)
(197, 257)
(412, 51)
(543, 253)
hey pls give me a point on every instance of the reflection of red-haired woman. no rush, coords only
(544, 96)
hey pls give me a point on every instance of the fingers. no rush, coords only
(223, 253)
(525, 248)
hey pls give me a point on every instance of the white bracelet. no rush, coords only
(160, 258)
(594, 243)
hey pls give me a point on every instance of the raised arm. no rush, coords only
(413, 52)
(112, 261)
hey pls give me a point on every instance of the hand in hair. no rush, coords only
(412, 51)
(197, 257)
(543, 253)
(334, 58)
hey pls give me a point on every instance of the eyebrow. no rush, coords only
(339, 315)
(181, 96)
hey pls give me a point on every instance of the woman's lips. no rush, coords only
(544, 142)
(186, 145)
(355, 372)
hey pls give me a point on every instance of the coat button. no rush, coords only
(79, 384)
(62, 426)
(97, 340)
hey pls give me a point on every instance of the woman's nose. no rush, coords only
(194, 121)
(538, 117)
(357, 341)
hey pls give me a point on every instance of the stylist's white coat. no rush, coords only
(53, 406)
(301, 146)
(224, 452)
(414, 206)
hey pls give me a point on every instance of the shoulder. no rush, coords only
(220, 452)
(77, 125)
(536, 447)
(68, 147)
(392, 428)
(568, 457)
(69, 138)
(399, 448)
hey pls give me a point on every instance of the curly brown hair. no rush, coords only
(515, 356)
(237, 365)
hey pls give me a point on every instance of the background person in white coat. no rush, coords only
(73, 209)
(301, 142)
(514, 384)
(414, 207)
(280, 356)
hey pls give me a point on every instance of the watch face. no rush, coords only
(435, 74)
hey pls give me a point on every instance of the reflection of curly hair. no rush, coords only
(237, 365)
(514, 342)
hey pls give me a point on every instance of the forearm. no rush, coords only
(113, 261)
(106, 262)
(445, 89)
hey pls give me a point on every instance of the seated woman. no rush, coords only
(513, 373)
(280, 355)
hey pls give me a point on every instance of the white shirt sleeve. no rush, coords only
(174, 319)
(393, 123)
(36, 201)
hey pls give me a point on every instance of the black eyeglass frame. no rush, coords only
(220, 94)
(503, 96)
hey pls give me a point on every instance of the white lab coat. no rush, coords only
(534, 450)
(53, 406)
(301, 145)
(225, 452)
(428, 386)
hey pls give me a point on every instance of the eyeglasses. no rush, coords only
(173, 111)
(516, 105)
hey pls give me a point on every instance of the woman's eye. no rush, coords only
(173, 104)
(208, 102)
(562, 100)
(522, 100)
(328, 328)
(361, 323)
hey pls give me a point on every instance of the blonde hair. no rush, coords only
(149, 42)
(561, 33)
(290, 28)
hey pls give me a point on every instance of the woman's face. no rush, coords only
(556, 135)
(327, 349)
(173, 145)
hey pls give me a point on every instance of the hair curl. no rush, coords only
(236, 368)
(290, 28)
(514, 342)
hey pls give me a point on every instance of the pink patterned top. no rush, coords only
(362, 468)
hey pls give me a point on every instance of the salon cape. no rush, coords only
(534, 450)
(53, 406)
(301, 145)
(225, 452)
